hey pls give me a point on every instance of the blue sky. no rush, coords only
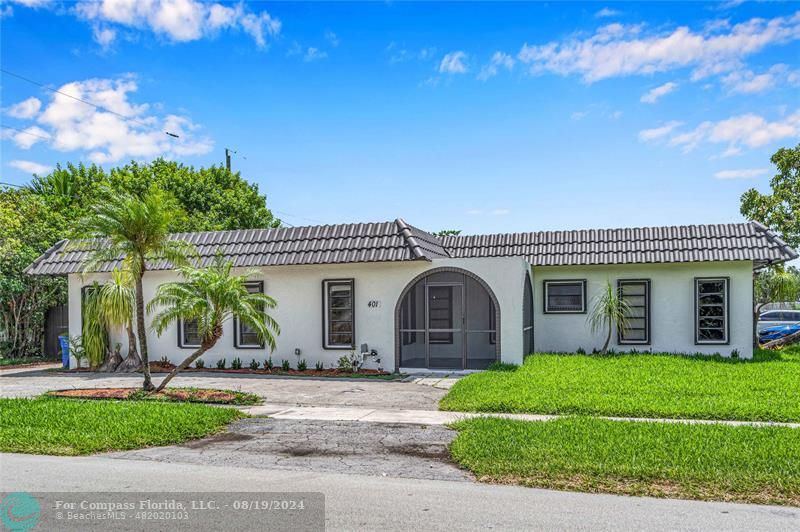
(481, 117)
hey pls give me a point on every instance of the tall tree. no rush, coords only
(210, 297)
(117, 307)
(609, 311)
(136, 229)
(779, 210)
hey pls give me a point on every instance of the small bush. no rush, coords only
(319, 366)
(302, 366)
(164, 361)
(351, 362)
(580, 351)
(735, 353)
(502, 366)
(254, 364)
(285, 365)
(236, 363)
(199, 363)
(221, 363)
(268, 363)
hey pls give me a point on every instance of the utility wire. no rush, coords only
(26, 132)
(42, 85)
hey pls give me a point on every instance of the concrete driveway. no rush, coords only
(294, 391)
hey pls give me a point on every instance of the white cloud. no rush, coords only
(500, 212)
(499, 60)
(654, 94)
(105, 37)
(737, 132)
(29, 136)
(314, 54)
(70, 125)
(25, 109)
(180, 20)
(578, 115)
(618, 50)
(659, 132)
(606, 12)
(399, 54)
(744, 173)
(747, 82)
(32, 3)
(30, 167)
(453, 63)
(332, 38)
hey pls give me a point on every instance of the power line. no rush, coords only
(42, 85)
(26, 132)
(11, 184)
(298, 217)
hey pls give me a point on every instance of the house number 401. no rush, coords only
(374, 303)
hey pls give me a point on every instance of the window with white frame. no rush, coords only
(565, 297)
(338, 307)
(636, 293)
(711, 310)
(245, 336)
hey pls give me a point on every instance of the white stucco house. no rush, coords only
(462, 302)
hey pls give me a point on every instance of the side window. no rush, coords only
(245, 337)
(187, 334)
(711, 311)
(565, 297)
(338, 309)
(636, 293)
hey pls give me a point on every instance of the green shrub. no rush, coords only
(268, 364)
(236, 363)
(319, 366)
(301, 366)
(254, 364)
(285, 365)
(221, 363)
(199, 363)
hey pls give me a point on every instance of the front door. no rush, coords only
(445, 325)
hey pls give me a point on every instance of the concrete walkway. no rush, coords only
(438, 417)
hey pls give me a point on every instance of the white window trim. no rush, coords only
(326, 311)
(726, 306)
(547, 284)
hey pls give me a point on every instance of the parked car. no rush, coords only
(773, 318)
(779, 331)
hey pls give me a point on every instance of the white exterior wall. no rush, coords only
(671, 307)
(298, 291)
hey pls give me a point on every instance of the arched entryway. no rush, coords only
(447, 318)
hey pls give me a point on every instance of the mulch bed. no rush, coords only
(193, 395)
(160, 367)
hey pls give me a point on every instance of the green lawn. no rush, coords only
(23, 361)
(716, 462)
(71, 427)
(642, 385)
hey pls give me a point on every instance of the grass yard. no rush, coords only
(641, 385)
(55, 426)
(709, 462)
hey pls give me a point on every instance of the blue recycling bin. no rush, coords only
(63, 342)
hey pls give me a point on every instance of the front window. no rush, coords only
(246, 336)
(339, 314)
(636, 293)
(188, 335)
(565, 297)
(711, 311)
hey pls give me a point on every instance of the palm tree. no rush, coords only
(211, 296)
(117, 304)
(609, 310)
(135, 229)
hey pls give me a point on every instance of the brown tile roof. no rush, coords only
(686, 243)
(398, 241)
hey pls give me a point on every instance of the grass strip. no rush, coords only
(638, 385)
(679, 460)
(55, 426)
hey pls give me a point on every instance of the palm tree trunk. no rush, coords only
(140, 329)
(608, 339)
(205, 346)
(132, 362)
